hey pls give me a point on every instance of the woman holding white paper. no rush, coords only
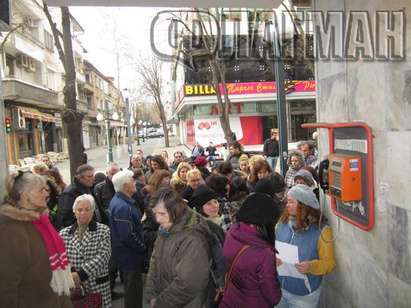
(301, 226)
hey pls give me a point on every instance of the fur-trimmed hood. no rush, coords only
(8, 211)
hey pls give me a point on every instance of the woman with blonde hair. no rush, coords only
(33, 263)
(244, 165)
(194, 181)
(252, 161)
(179, 179)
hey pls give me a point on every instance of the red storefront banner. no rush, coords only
(245, 88)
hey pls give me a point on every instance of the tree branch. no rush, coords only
(56, 36)
(5, 40)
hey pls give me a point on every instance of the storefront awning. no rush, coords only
(33, 113)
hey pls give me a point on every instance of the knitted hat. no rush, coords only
(306, 176)
(259, 209)
(305, 195)
(201, 196)
(200, 161)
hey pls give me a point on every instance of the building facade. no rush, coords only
(105, 98)
(247, 62)
(33, 84)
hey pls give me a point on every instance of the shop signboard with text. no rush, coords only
(246, 88)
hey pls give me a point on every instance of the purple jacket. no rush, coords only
(254, 280)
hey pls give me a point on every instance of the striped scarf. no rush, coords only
(61, 280)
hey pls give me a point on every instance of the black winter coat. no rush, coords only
(103, 193)
(65, 215)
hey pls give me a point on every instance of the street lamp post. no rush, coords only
(139, 124)
(106, 118)
(278, 70)
(129, 141)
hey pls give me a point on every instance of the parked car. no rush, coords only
(153, 134)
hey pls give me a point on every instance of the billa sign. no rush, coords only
(246, 88)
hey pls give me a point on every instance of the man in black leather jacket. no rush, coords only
(82, 184)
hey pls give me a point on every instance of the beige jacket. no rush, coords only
(24, 263)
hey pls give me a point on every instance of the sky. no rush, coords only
(126, 29)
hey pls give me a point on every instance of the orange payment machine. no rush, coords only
(346, 175)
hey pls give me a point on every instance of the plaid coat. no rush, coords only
(90, 257)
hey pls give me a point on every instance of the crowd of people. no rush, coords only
(179, 231)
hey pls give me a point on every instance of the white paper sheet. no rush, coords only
(288, 254)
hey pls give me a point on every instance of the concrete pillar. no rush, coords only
(373, 268)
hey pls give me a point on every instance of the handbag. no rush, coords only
(82, 299)
(220, 292)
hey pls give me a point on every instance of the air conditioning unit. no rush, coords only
(23, 60)
(32, 65)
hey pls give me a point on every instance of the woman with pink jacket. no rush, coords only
(249, 253)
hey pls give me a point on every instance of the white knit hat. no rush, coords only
(305, 195)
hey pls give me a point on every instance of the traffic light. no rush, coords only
(8, 125)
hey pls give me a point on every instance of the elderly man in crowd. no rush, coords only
(82, 184)
(310, 159)
(128, 248)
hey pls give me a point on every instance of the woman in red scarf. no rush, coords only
(33, 263)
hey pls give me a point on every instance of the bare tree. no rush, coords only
(150, 74)
(72, 119)
(208, 49)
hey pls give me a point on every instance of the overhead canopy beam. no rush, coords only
(168, 3)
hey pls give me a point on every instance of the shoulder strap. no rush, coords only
(237, 256)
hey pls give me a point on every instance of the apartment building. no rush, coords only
(33, 84)
(105, 98)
